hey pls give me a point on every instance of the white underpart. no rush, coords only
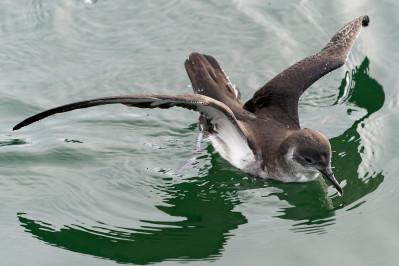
(228, 140)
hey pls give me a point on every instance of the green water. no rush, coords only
(99, 186)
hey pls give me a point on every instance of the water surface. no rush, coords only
(99, 186)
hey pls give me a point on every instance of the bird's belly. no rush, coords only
(235, 151)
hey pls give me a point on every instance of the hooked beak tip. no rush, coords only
(327, 172)
(340, 191)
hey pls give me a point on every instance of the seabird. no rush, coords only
(263, 137)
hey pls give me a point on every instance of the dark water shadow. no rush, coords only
(310, 205)
(206, 205)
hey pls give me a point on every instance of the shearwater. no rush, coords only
(262, 137)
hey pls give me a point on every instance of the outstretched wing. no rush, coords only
(214, 110)
(281, 94)
(226, 127)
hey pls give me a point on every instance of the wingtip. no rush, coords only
(365, 21)
(16, 128)
(20, 125)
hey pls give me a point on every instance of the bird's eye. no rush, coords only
(308, 160)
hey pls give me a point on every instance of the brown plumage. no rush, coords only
(263, 137)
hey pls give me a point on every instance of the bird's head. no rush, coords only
(311, 150)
